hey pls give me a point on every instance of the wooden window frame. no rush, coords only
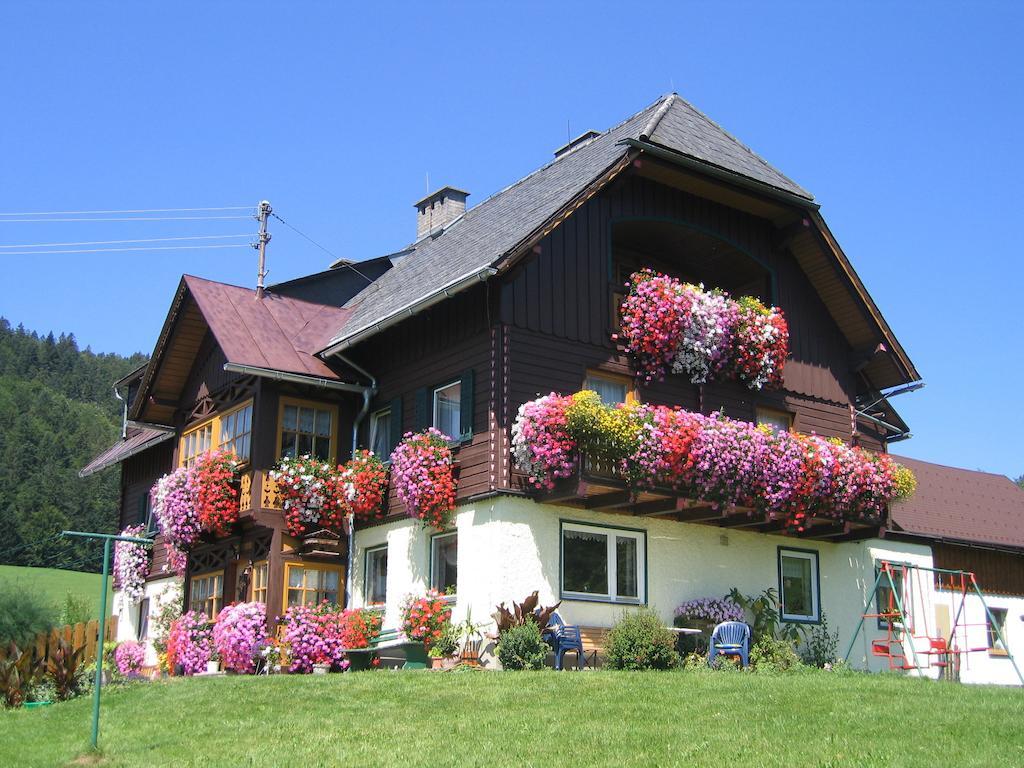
(215, 598)
(213, 424)
(430, 573)
(815, 557)
(288, 566)
(366, 576)
(771, 411)
(612, 532)
(316, 405)
(265, 589)
(632, 396)
(218, 426)
(372, 432)
(186, 460)
(990, 634)
(433, 406)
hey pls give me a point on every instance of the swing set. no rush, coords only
(894, 609)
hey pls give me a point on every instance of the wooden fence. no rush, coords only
(85, 633)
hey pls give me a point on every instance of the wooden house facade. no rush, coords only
(490, 307)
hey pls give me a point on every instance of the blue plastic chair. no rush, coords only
(730, 638)
(564, 639)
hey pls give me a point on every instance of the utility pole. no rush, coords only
(264, 213)
(107, 538)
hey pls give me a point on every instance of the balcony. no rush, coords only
(258, 492)
(597, 485)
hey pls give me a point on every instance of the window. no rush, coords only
(148, 517)
(195, 443)
(780, 421)
(236, 432)
(612, 389)
(444, 563)
(206, 593)
(380, 434)
(885, 599)
(376, 584)
(260, 572)
(142, 628)
(307, 429)
(996, 628)
(603, 563)
(798, 585)
(448, 409)
(310, 584)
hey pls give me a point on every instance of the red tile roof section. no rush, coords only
(275, 332)
(962, 504)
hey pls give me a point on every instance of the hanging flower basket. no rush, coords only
(175, 509)
(364, 481)
(312, 493)
(131, 564)
(421, 468)
(216, 492)
(704, 334)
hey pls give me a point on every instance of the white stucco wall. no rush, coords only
(159, 592)
(509, 547)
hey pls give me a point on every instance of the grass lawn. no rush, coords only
(531, 719)
(55, 583)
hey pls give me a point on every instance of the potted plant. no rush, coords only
(470, 638)
(213, 663)
(442, 653)
(423, 619)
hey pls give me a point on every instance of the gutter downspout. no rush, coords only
(368, 393)
(124, 414)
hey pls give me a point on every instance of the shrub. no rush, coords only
(130, 657)
(190, 642)
(239, 635)
(76, 610)
(521, 647)
(640, 641)
(821, 646)
(771, 655)
(17, 672)
(23, 614)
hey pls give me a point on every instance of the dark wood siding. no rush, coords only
(138, 475)
(998, 573)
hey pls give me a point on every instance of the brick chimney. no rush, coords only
(439, 209)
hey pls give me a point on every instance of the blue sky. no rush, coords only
(904, 122)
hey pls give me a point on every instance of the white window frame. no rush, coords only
(434, 560)
(434, 404)
(374, 422)
(814, 617)
(366, 575)
(612, 534)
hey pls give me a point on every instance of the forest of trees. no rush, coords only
(57, 411)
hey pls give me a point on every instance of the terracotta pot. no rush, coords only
(437, 662)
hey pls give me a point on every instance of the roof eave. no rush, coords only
(155, 440)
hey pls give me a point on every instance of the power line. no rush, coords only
(120, 250)
(115, 242)
(322, 248)
(131, 218)
(137, 210)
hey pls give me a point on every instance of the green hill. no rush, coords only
(55, 584)
(56, 412)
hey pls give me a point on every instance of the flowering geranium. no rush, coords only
(364, 480)
(710, 609)
(190, 643)
(705, 334)
(424, 618)
(312, 493)
(130, 657)
(240, 634)
(775, 475)
(215, 494)
(421, 469)
(359, 627)
(313, 636)
(131, 564)
(541, 443)
(175, 509)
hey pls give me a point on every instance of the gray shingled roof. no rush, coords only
(487, 232)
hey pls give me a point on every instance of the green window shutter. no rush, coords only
(396, 422)
(421, 418)
(466, 405)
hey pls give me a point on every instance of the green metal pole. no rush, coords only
(867, 604)
(99, 649)
(995, 626)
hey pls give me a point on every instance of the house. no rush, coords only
(489, 307)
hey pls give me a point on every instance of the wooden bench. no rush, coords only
(413, 654)
(595, 639)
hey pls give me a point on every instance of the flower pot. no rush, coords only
(359, 662)
(212, 667)
(321, 669)
(415, 656)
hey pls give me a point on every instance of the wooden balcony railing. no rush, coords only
(258, 491)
